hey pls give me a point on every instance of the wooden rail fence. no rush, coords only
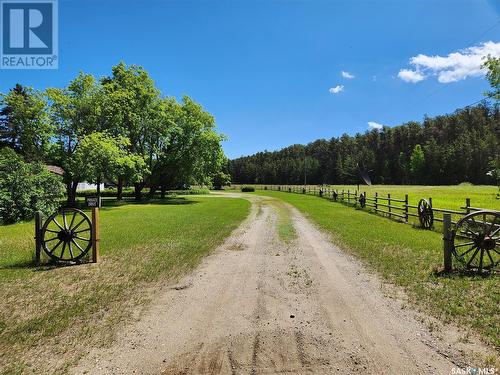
(392, 207)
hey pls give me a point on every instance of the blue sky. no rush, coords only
(270, 71)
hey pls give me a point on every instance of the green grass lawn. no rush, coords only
(50, 316)
(407, 256)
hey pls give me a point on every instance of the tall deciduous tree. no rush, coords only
(75, 112)
(193, 152)
(417, 164)
(492, 65)
(24, 122)
(135, 110)
(101, 158)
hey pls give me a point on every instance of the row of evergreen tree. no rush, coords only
(460, 147)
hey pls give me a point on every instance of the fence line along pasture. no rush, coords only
(384, 204)
(471, 236)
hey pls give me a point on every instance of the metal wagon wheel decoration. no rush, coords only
(425, 214)
(67, 235)
(476, 241)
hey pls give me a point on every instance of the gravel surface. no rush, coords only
(259, 305)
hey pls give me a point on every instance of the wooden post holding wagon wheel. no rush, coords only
(68, 235)
(476, 241)
(425, 214)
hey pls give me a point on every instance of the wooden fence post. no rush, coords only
(406, 207)
(95, 234)
(467, 205)
(356, 198)
(389, 204)
(376, 201)
(38, 239)
(447, 242)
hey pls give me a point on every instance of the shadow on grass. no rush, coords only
(45, 266)
(112, 202)
(464, 273)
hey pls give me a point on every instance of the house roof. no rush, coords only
(55, 169)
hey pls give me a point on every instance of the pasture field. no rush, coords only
(409, 257)
(450, 197)
(50, 316)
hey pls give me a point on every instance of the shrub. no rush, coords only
(26, 188)
(247, 189)
(220, 180)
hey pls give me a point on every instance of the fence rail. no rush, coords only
(387, 205)
(482, 239)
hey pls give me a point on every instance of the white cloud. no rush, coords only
(375, 125)
(336, 89)
(347, 75)
(452, 68)
(412, 76)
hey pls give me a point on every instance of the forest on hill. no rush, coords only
(460, 147)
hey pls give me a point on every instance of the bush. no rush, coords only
(247, 189)
(26, 188)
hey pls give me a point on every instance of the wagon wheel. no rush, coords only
(67, 235)
(425, 214)
(476, 241)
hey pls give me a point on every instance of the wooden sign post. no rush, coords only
(95, 234)
(447, 242)
(38, 239)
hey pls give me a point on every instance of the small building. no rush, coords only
(87, 186)
(81, 185)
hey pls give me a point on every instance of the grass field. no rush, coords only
(408, 257)
(50, 316)
(450, 197)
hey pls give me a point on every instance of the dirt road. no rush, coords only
(260, 304)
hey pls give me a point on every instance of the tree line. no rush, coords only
(460, 147)
(463, 146)
(117, 129)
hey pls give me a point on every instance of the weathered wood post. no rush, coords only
(467, 205)
(406, 207)
(356, 198)
(389, 204)
(447, 242)
(430, 202)
(38, 236)
(95, 234)
(376, 201)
